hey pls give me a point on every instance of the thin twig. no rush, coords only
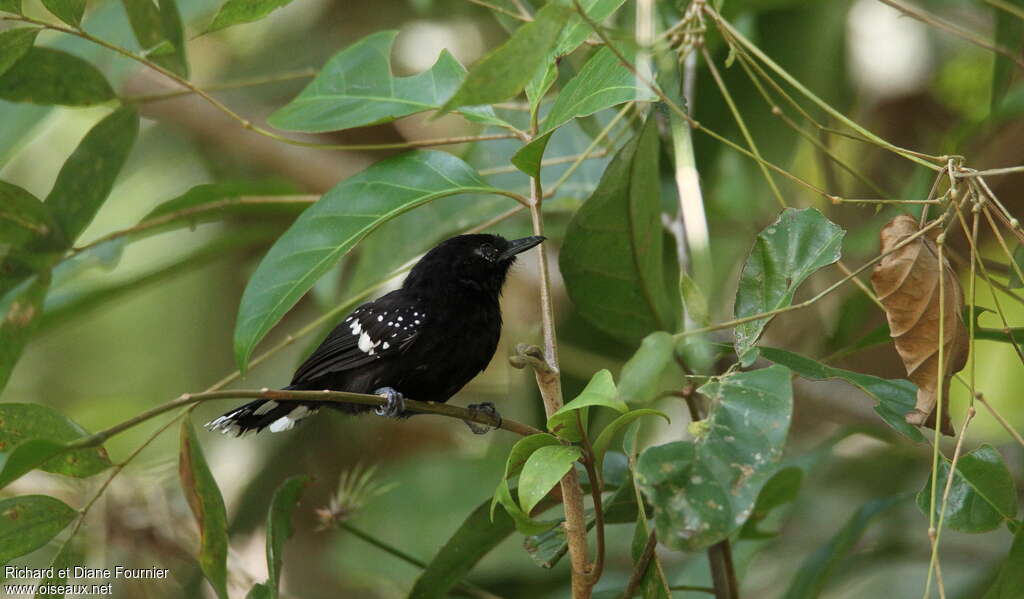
(641, 566)
(241, 83)
(501, 10)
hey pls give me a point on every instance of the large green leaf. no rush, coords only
(25, 457)
(207, 505)
(15, 43)
(279, 526)
(47, 76)
(476, 537)
(785, 253)
(20, 422)
(159, 31)
(88, 175)
(814, 573)
(356, 88)
(983, 495)
(601, 83)
(20, 309)
(1009, 35)
(600, 391)
(542, 471)
(612, 256)
(29, 522)
(236, 12)
(69, 11)
(893, 397)
(334, 225)
(705, 489)
(503, 72)
(641, 374)
(1010, 579)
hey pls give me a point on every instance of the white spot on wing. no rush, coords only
(365, 344)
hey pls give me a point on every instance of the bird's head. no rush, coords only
(476, 262)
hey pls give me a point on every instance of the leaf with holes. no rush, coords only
(21, 422)
(705, 489)
(983, 495)
(612, 257)
(328, 229)
(356, 88)
(207, 505)
(28, 522)
(785, 253)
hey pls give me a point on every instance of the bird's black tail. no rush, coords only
(263, 413)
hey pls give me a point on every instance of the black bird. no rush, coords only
(425, 340)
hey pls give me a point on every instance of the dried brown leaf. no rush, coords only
(907, 283)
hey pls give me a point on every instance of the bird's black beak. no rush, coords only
(518, 246)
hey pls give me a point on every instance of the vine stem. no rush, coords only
(244, 122)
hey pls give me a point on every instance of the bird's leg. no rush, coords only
(483, 408)
(395, 405)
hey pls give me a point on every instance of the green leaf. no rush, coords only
(47, 76)
(71, 554)
(523, 449)
(782, 488)
(356, 88)
(20, 422)
(982, 497)
(1018, 259)
(641, 374)
(334, 225)
(11, 6)
(159, 31)
(236, 12)
(785, 253)
(612, 257)
(88, 175)
(20, 309)
(601, 83)
(260, 591)
(15, 43)
(207, 506)
(894, 398)
(29, 522)
(1010, 579)
(25, 457)
(210, 201)
(542, 471)
(279, 526)
(475, 538)
(811, 578)
(504, 71)
(604, 440)
(1010, 36)
(703, 490)
(600, 391)
(523, 522)
(69, 11)
(23, 218)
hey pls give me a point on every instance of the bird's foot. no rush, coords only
(395, 403)
(483, 408)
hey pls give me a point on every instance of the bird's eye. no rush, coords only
(487, 252)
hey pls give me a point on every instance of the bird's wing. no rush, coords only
(377, 330)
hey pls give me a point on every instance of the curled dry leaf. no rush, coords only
(907, 283)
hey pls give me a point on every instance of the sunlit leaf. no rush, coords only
(356, 88)
(600, 391)
(20, 422)
(814, 573)
(705, 489)
(15, 43)
(48, 76)
(235, 12)
(207, 505)
(88, 175)
(601, 83)
(28, 522)
(785, 253)
(894, 397)
(612, 257)
(69, 11)
(334, 225)
(983, 495)
(504, 71)
(523, 449)
(542, 471)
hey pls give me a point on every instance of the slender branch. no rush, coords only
(246, 123)
(596, 488)
(641, 566)
(933, 21)
(501, 10)
(1010, 170)
(241, 83)
(1006, 6)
